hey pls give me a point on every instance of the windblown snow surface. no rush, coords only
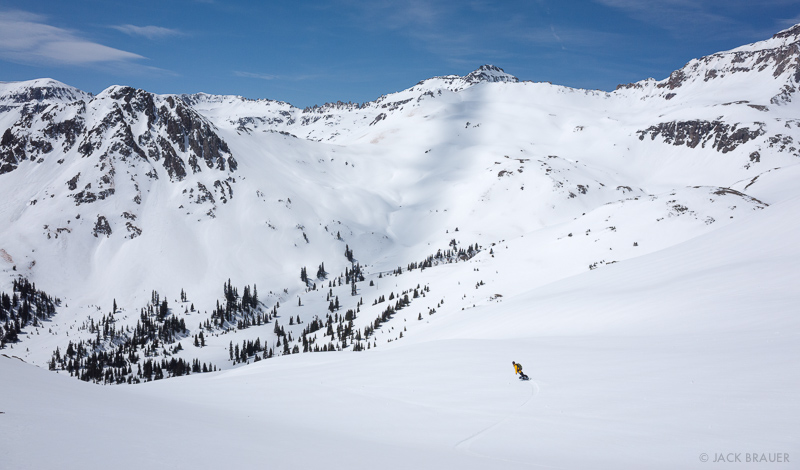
(642, 266)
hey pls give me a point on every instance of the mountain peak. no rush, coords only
(789, 32)
(118, 91)
(40, 90)
(490, 73)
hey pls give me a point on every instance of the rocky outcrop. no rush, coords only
(490, 74)
(102, 227)
(19, 142)
(191, 132)
(722, 137)
(43, 90)
(122, 141)
(774, 63)
(167, 130)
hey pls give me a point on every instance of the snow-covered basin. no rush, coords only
(655, 362)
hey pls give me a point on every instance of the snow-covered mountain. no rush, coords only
(144, 236)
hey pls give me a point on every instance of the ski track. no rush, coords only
(464, 444)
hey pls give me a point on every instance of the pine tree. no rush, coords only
(163, 310)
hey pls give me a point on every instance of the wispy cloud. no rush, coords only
(552, 35)
(722, 19)
(399, 13)
(267, 76)
(676, 15)
(473, 31)
(789, 22)
(438, 27)
(149, 32)
(27, 38)
(260, 76)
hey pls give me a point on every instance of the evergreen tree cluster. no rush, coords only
(26, 306)
(401, 301)
(352, 276)
(338, 327)
(250, 349)
(114, 367)
(143, 353)
(110, 356)
(243, 312)
(113, 353)
(404, 302)
(447, 256)
(155, 370)
(450, 255)
(321, 273)
(89, 362)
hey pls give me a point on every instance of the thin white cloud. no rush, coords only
(150, 32)
(267, 76)
(472, 31)
(27, 38)
(260, 76)
(399, 14)
(676, 15)
(428, 24)
(789, 22)
(722, 19)
(554, 35)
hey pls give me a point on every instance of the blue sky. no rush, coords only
(311, 52)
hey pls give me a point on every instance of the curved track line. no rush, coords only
(464, 442)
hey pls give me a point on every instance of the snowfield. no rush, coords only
(636, 251)
(644, 364)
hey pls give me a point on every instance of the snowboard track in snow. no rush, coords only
(465, 443)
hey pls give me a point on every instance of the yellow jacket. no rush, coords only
(517, 368)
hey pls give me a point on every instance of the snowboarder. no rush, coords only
(518, 370)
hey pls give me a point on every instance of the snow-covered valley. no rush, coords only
(346, 285)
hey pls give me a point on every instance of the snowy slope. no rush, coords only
(648, 363)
